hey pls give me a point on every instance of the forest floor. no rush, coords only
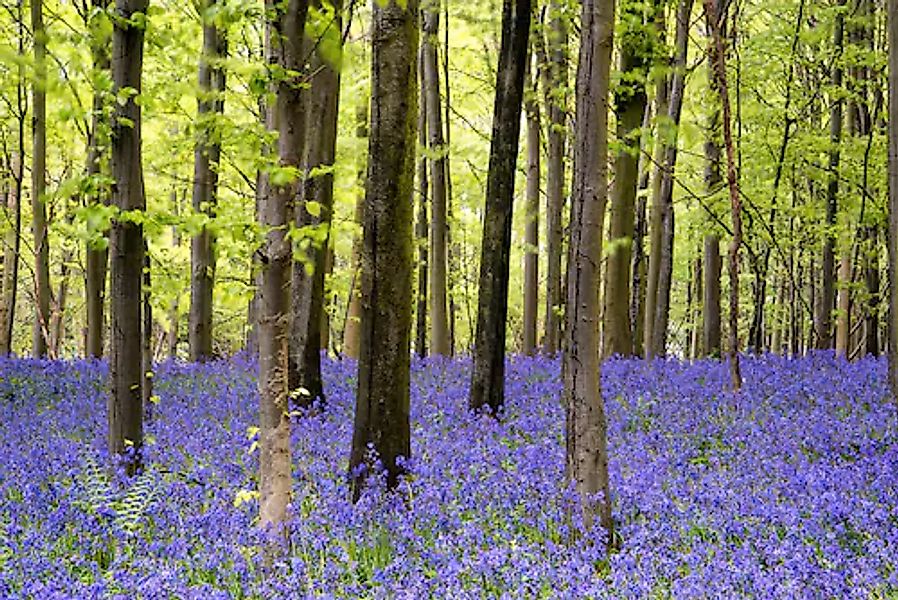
(789, 489)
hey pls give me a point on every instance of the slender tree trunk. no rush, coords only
(351, 327)
(97, 255)
(555, 82)
(13, 198)
(174, 308)
(285, 40)
(843, 320)
(41, 331)
(656, 213)
(454, 250)
(695, 337)
(439, 318)
(587, 454)
(315, 210)
(488, 381)
(146, 342)
(711, 299)
(382, 400)
(531, 231)
(827, 299)
(664, 201)
(630, 102)
(422, 227)
(718, 59)
(125, 406)
(210, 107)
(893, 195)
(638, 269)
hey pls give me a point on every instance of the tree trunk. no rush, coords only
(382, 400)
(718, 60)
(439, 318)
(587, 454)
(315, 210)
(285, 48)
(531, 231)
(711, 299)
(555, 83)
(827, 299)
(630, 102)
(41, 330)
(210, 107)
(125, 407)
(664, 201)
(843, 320)
(488, 381)
(893, 196)
(695, 328)
(174, 308)
(656, 213)
(352, 323)
(97, 254)
(422, 227)
(146, 342)
(638, 269)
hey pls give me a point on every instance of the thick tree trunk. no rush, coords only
(210, 107)
(630, 103)
(531, 231)
(422, 227)
(827, 299)
(285, 41)
(41, 330)
(555, 83)
(711, 299)
(488, 381)
(352, 323)
(315, 210)
(97, 254)
(893, 196)
(439, 317)
(125, 406)
(718, 60)
(587, 454)
(382, 400)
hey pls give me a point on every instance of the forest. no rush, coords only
(443, 299)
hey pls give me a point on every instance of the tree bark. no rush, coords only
(555, 83)
(695, 338)
(638, 269)
(587, 454)
(352, 324)
(718, 60)
(285, 48)
(531, 230)
(827, 298)
(41, 330)
(315, 210)
(663, 203)
(125, 406)
(382, 400)
(439, 318)
(843, 320)
(97, 254)
(711, 299)
(210, 107)
(630, 103)
(488, 381)
(422, 227)
(893, 196)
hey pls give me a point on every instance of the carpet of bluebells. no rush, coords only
(787, 490)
